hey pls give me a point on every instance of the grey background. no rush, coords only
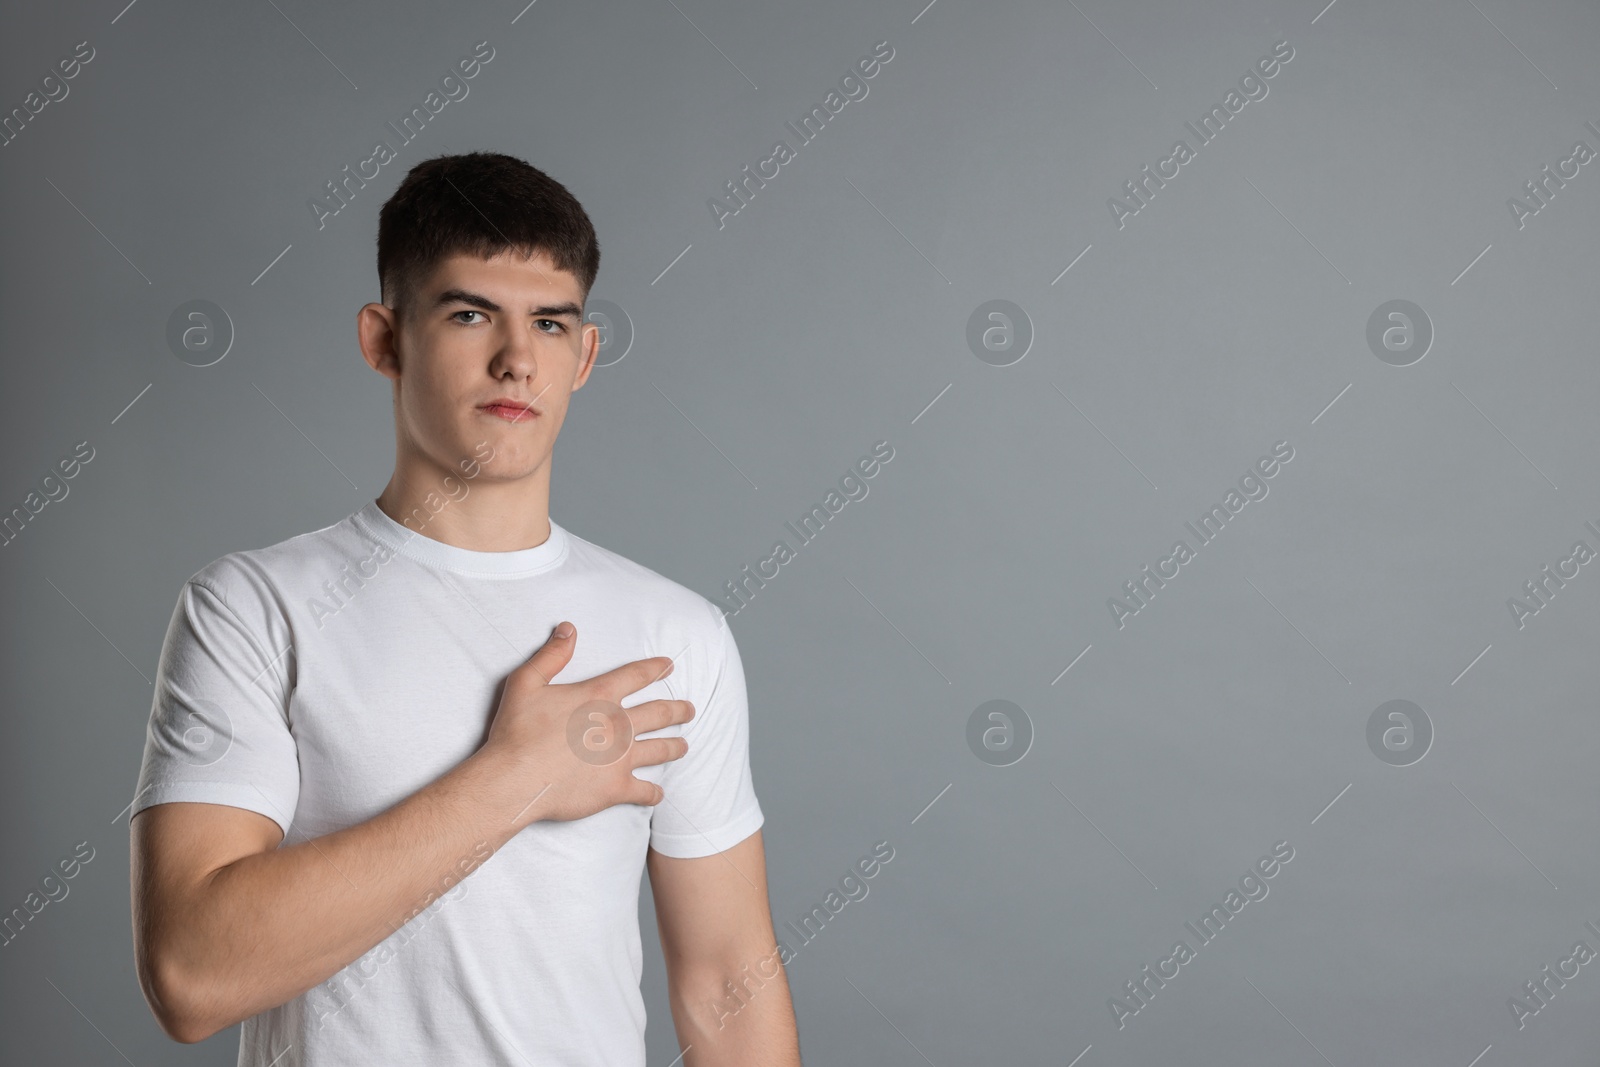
(1226, 316)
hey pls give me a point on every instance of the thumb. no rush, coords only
(555, 653)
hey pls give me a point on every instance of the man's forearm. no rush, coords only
(737, 1020)
(263, 929)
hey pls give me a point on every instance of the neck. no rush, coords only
(474, 512)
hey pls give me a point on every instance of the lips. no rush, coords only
(509, 411)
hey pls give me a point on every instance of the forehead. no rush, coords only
(508, 275)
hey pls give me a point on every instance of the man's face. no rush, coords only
(478, 331)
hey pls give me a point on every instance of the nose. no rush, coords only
(516, 358)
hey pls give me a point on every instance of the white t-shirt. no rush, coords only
(323, 679)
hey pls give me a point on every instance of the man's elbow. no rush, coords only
(174, 1000)
(717, 991)
(179, 1030)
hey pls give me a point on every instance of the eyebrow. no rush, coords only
(478, 300)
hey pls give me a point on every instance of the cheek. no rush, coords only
(426, 405)
(432, 384)
(555, 415)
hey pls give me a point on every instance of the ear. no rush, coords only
(377, 331)
(588, 352)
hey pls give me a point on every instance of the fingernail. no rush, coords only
(564, 630)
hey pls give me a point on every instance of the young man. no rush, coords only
(372, 822)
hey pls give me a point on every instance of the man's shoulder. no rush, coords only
(653, 590)
(261, 574)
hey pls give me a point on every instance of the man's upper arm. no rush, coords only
(220, 774)
(713, 911)
(722, 956)
(706, 860)
(176, 848)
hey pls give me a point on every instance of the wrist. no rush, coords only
(511, 795)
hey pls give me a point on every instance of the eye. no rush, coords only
(553, 322)
(467, 313)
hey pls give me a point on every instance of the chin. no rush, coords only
(507, 462)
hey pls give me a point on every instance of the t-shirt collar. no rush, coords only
(417, 545)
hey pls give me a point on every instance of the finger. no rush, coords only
(555, 653)
(658, 714)
(656, 750)
(631, 677)
(642, 792)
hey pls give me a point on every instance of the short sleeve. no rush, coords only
(219, 727)
(710, 801)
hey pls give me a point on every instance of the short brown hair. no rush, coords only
(482, 204)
